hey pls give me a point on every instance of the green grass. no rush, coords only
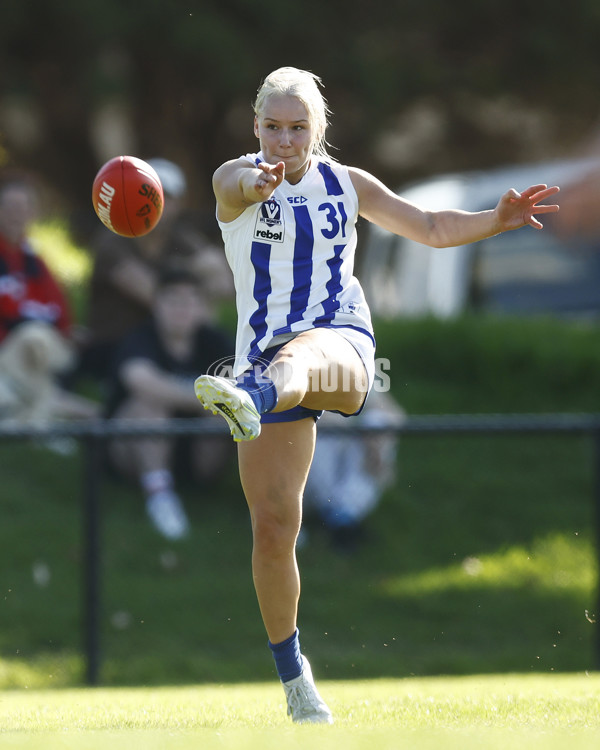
(480, 559)
(487, 574)
(508, 711)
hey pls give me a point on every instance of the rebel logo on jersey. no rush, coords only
(269, 222)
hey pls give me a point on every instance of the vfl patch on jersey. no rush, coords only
(269, 222)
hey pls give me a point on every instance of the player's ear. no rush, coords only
(256, 126)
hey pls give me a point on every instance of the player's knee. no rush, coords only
(351, 402)
(275, 532)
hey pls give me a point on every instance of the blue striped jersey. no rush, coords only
(292, 258)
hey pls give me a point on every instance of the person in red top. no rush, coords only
(35, 319)
(28, 291)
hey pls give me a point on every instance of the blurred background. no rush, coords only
(417, 88)
(481, 554)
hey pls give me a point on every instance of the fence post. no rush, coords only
(91, 555)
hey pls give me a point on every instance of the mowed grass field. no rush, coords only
(480, 563)
(506, 712)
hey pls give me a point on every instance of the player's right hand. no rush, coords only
(269, 178)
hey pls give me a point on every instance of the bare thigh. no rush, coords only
(319, 369)
(273, 472)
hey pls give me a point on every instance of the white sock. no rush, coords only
(157, 480)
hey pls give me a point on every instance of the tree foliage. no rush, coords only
(472, 83)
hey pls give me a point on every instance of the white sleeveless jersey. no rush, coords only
(292, 258)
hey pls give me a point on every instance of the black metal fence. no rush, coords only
(92, 433)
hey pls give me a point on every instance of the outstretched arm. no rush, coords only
(239, 183)
(449, 228)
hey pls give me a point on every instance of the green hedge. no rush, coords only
(492, 364)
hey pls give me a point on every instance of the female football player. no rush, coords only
(304, 340)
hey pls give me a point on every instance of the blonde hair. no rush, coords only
(304, 86)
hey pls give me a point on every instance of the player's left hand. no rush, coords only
(516, 209)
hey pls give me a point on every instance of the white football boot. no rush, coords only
(222, 396)
(304, 704)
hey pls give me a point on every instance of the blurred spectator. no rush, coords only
(351, 470)
(154, 373)
(35, 320)
(578, 215)
(126, 269)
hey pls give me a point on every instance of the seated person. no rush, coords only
(126, 269)
(351, 470)
(153, 378)
(35, 320)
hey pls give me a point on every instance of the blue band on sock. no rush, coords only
(288, 658)
(263, 392)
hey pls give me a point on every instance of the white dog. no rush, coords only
(31, 356)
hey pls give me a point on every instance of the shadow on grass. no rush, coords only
(406, 603)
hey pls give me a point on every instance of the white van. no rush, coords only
(523, 271)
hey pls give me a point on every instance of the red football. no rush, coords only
(128, 196)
